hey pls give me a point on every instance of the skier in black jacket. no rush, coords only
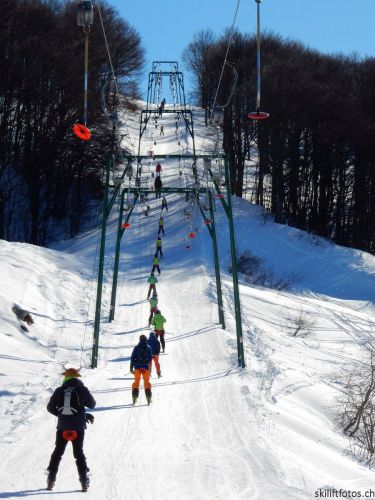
(68, 404)
(158, 185)
(140, 364)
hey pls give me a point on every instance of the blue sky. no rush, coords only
(330, 26)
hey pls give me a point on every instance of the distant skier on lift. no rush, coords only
(158, 169)
(164, 204)
(158, 185)
(152, 280)
(158, 322)
(194, 167)
(159, 248)
(161, 225)
(153, 306)
(155, 264)
(140, 365)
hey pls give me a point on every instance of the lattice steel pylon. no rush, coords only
(169, 70)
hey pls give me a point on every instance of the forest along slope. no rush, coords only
(212, 430)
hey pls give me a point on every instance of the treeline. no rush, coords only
(315, 156)
(49, 179)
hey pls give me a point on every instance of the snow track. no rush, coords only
(213, 431)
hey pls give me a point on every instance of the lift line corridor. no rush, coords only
(194, 192)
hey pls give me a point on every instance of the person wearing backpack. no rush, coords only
(155, 264)
(140, 365)
(154, 343)
(153, 306)
(152, 280)
(158, 322)
(68, 404)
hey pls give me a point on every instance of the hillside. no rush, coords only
(213, 431)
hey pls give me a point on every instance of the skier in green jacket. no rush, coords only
(158, 247)
(153, 306)
(158, 322)
(155, 264)
(161, 225)
(152, 280)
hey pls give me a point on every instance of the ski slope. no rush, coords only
(213, 431)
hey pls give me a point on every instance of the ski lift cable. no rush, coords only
(225, 58)
(107, 47)
(141, 240)
(231, 32)
(123, 275)
(113, 71)
(90, 297)
(234, 85)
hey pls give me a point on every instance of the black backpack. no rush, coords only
(143, 354)
(70, 404)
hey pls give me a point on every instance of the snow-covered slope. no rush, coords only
(213, 431)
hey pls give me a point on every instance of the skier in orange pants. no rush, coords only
(140, 363)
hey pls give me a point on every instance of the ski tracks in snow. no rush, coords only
(254, 436)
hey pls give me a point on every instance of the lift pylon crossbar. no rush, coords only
(165, 73)
(155, 111)
(139, 158)
(165, 190)
(155, 64)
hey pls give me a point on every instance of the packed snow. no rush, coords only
(213, 430)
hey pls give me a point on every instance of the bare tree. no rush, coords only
(358, 417)
(315, 168)
(58, 178)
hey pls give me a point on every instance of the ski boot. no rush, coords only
(148, 395)
(159, 374)
(51, 480)
(85, 482)
(135, 394)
